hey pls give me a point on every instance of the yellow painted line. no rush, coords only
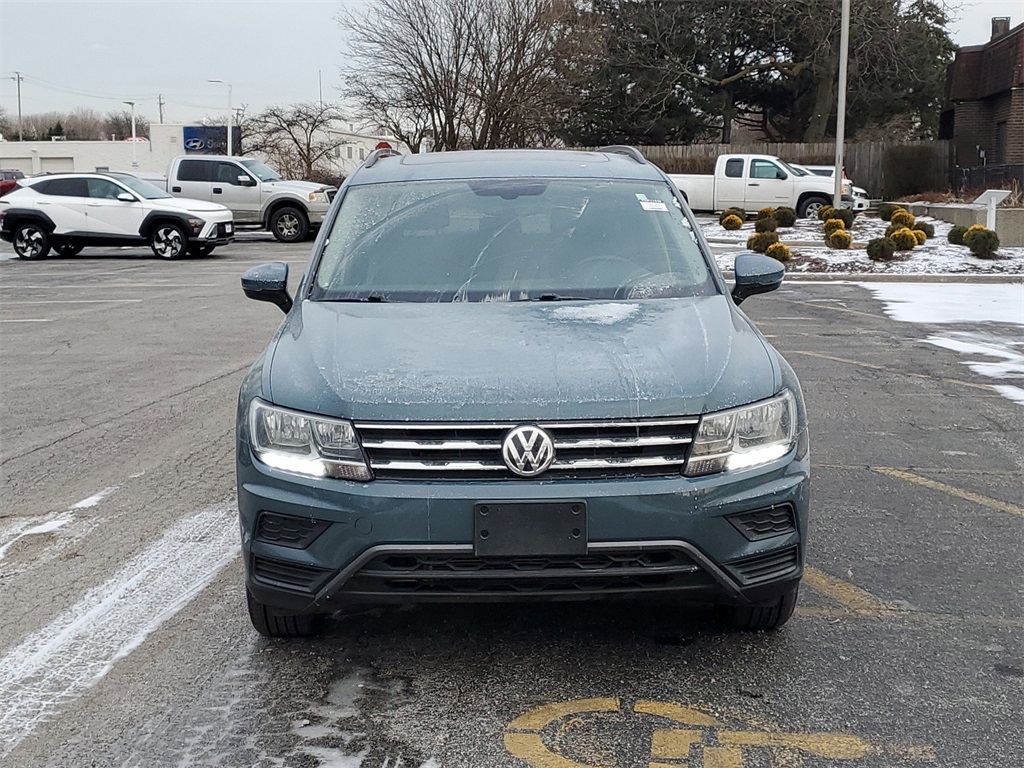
(681, 715)
(921, 617)
(936, 470)
(537, 719)
(848, 595)
(673, 744)
(960, 493)
(723, 757)
(834, 746)
(530, 748)
(894, 371)
(819, 305)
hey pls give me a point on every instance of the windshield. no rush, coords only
(796, 169)
(261, 171)
(142, 188)
(510, 240)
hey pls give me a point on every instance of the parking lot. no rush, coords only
(125, 640)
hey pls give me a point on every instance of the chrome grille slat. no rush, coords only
(473, 450)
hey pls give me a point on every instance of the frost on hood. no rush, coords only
(598, 314)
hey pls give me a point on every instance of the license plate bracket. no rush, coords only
(509, 529)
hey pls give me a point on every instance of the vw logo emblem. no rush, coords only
(195, 144)
(528, 450)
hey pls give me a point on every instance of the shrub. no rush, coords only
(973, 228)
(833, 225)
(886, 210)
(922, 238)
(890, 229)
(881, 249)
(733, 212)
(904, 239)
(779, 252)
(983, 242)
(785, 217)
(956, 235)
(839, 239)
(902, 218)
(825, 212)
(732, 222)
(766, 213)
(766, 225)
(925, 227)
(760, 241)
(845, 215)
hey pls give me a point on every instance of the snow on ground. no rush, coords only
(807, 242)
(994, 345)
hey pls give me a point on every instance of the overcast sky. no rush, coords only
(98, 53)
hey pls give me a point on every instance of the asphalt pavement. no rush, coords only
(124, 639)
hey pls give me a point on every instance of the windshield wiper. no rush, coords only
(373, 298)
(557, 297)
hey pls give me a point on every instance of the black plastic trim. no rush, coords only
(13, 217)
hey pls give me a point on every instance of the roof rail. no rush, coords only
(378, 154)
(622, 149)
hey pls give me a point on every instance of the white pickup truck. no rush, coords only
(255, 193)
(753, 182)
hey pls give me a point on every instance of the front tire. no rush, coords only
(809, 208)
(289, 225)
(274, 622)
(31, 242)
(168, 241)
(68, 250)
(766, 616)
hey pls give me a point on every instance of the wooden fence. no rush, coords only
(886, 169)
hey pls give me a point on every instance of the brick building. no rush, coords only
(984, 111)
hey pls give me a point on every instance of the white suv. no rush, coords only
(70, 211)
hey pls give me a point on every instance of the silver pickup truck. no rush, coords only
(255, 193)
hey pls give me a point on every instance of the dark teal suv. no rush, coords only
(518, 375)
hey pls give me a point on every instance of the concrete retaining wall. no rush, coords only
(1009, 221)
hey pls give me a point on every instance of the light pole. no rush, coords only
(18, 78)
(135, 145)
(224, 82)
(844, 56)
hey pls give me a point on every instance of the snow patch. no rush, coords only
(598, 314)
(96, 498)
(951, 302)
(1010, 392)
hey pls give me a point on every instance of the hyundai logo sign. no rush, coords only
(194, 144)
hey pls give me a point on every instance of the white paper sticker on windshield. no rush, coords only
(653, 205)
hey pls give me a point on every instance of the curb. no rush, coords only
(875, 277)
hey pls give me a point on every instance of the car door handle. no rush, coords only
(217, 190)
(753, 184)
(95, 205)
(175, 189)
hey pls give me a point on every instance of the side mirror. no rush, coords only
(781, 175)
(245, 180)
(268, 282)
(756, 274)
(126, 197)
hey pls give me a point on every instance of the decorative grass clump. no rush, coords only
(904, 239)
(761, 241)
(825, 213)
(886, 210)
(767, 224)
(733, 212)
(925, 227)
(983, 242)
(922, 238)
(785, 217)
(956, 235)
(779, 252)
(881, 249)
(902, 218)
(766, 213)
(840, 239)
(833, 225)
(732, 222)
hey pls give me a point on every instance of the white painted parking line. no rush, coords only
(95, 499)
(20, 529)
(105, 286)
(30, 320)
(60, 661)
(75, 301)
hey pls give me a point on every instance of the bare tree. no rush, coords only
(476, 73)
(295, 139)
(119, 124)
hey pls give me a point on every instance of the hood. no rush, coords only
(519, 361)
(188, 204)
(298, 187)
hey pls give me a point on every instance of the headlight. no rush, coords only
(744, 437)
(318, 197)
(306, 445)
(196, 224)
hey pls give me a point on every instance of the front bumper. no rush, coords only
(217, 232)
(315, 545)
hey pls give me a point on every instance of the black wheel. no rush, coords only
(274, 622)
(30, 241)
(289, 225)
(200, 249)
(68, 250)
(767, 616)
(168, 240)
(809, 208)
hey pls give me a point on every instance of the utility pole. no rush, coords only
(135, 158)
(320, 79)
(18, 78)
(844, 56)
(160, 106)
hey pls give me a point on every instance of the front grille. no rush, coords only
(294, 576)
(613, 571)
(468, 451)
(766, 567)
(222, 230)
(288, 531)
(764, 523)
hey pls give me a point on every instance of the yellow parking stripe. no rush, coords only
(536, 719)
(894, 371)
(935, 485)
(850, 596)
